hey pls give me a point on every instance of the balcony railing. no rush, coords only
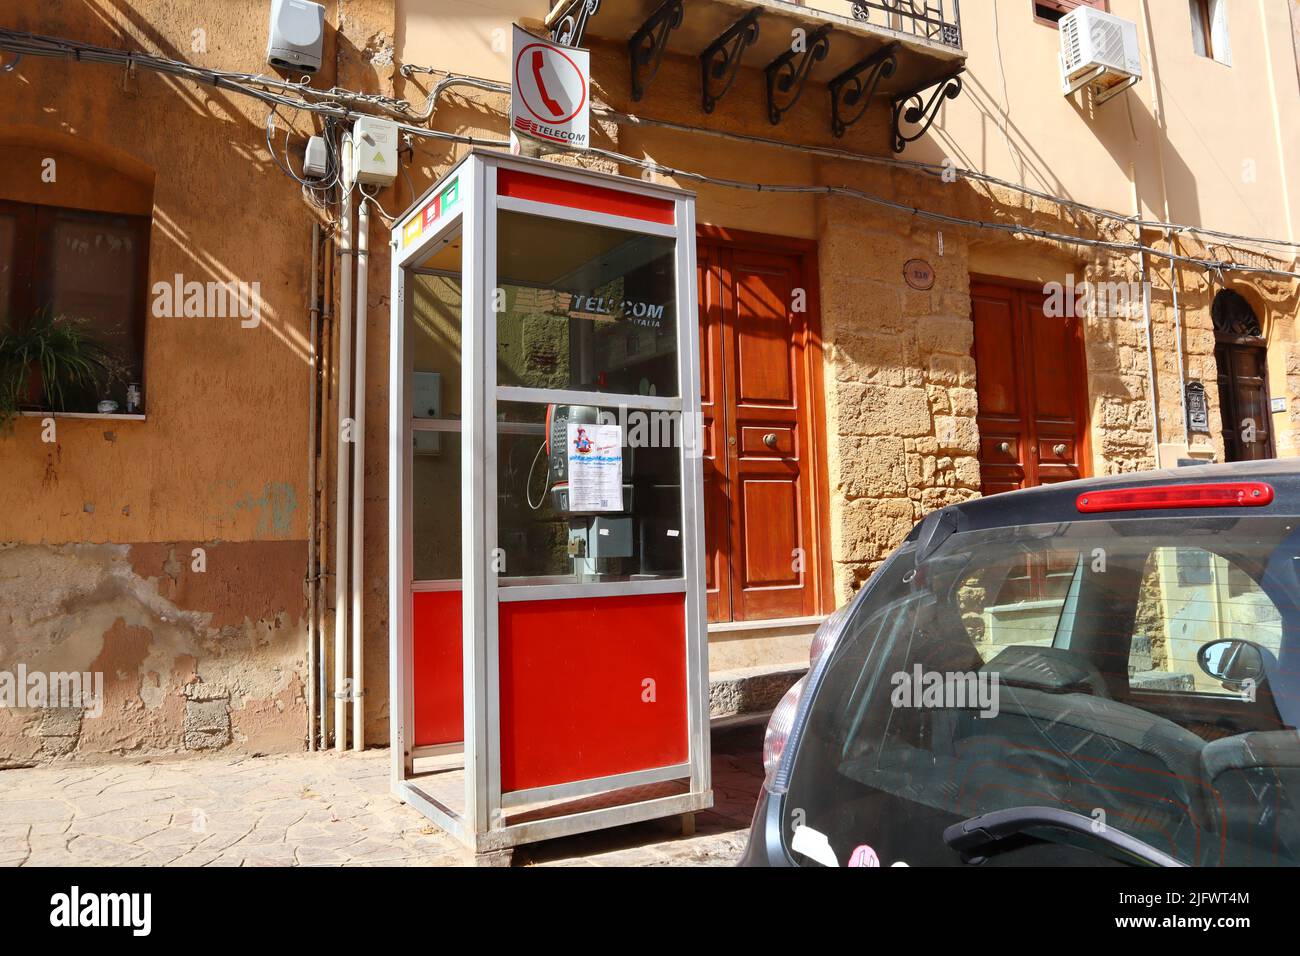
(939, 21)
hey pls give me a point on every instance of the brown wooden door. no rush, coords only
(1243, 401)
(1032, 387)
(761, 541)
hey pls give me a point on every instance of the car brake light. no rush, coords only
(781, 722)
(779, 726)
(1237, 494)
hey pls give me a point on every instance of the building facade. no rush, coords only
(1010, 286)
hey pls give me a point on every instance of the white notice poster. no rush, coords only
(595, 467)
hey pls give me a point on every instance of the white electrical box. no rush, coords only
(1098, 49)
(315, 162)
(297, 35)
(374, 150)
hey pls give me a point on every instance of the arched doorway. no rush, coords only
(1241, 355)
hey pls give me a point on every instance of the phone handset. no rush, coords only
(556, 448)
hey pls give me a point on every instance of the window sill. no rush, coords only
(97, 416)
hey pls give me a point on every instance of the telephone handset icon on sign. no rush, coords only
(551, 103)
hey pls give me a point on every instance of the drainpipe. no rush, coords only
(1178, 339)
(359, 481)
(341, 459)
(322, 518)
(1146, 321)
(1151, 359)
(313, 314)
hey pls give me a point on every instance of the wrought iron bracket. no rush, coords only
(788, 73)
(646, 48)
(720, 62)
(572, 24)
(857, 85)
(915, 109)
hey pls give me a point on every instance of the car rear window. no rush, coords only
(1141, 673)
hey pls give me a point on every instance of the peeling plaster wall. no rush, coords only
(98, 526)
(189, 660)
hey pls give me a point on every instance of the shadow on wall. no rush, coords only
(166, 556)
(1036, 171)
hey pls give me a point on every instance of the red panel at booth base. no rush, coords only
(439, 686)
(573, 688)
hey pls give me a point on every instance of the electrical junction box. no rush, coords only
(297, 35)
(374, 151)
(316, 163)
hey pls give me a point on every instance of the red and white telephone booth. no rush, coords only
(548, 660)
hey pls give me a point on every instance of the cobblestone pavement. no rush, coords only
(314, 810)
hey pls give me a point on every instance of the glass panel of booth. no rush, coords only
(587, 494)
(584, 307)
(589, 490)
(433, 344)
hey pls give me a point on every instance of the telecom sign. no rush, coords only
(550, 96)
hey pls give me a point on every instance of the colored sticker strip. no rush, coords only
(431, 213)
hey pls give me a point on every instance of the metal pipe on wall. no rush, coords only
(1178, 341)
(327, 395)
(1146, 318)
(1151, 359)
(313, 316)
(341, 463)
(359, 480)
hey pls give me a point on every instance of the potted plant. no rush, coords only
(47, 359)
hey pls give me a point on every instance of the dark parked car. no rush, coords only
(1100, 672)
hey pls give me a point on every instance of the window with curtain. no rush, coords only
(1210, 30)
(86, 269)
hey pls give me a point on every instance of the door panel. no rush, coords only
(717, 535)
(1032, 385)
(999, 386)
(759, 512)
(1243, 401)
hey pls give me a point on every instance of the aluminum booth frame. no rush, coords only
(463, 785)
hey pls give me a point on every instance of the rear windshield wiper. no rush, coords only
(977, 833)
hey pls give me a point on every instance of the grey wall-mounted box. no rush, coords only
(296, 38)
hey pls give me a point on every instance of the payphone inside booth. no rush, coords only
(548, 661)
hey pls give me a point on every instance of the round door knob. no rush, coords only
(1058, 449)
(770, 439)
(1005, 447)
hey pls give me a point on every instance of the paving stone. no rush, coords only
(322, 809)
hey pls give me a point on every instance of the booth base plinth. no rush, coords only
(440, 796)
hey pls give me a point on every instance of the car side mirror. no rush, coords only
(1233, 662)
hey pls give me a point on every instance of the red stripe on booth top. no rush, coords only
(574, 195)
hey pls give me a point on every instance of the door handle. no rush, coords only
(1005, 447)
(770, 439)
(1058, 450)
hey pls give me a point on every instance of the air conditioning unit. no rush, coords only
(1100, 50)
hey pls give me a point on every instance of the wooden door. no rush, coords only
(1243, 400)
(1032, 387)
(762, 541)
